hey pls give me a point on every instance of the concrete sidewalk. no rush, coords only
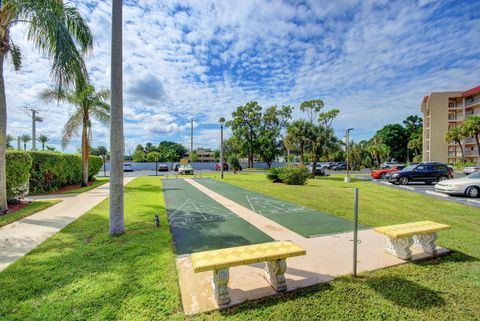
(20, 237)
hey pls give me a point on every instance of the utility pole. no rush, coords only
(35, 119)
(347, 178)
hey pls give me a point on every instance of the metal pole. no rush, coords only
(355, 231)
(191, 141)
(221, 150)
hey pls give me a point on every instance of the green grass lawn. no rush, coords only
(83, 274)
(28, 210)
(96, 183)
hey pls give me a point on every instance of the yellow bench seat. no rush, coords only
(411, 229)
(243, 255)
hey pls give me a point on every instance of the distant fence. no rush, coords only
(197, 166)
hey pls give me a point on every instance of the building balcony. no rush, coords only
(470, 141)
(471, 102)
(454, 154)
(471, 153)
(454, 105)
(455, 117)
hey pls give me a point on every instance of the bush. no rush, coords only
(294, 175)
(273, 175)
(18, 174)
(290, 175)
(234, 163)
(50, 171)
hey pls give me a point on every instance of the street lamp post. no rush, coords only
(347, 178)
(221, 121)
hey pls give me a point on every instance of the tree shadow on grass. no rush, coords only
(405, 293)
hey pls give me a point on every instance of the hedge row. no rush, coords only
(18, 174)
(47, 171)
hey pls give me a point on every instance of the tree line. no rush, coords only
(267, 134)
(165, 151)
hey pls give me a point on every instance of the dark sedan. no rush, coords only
(162, 168)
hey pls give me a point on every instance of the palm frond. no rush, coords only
(71, 128)
(57, 29)
(16, 55)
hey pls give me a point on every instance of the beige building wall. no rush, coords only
(444, 110)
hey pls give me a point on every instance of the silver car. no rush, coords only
(469, 186)
(471, 169)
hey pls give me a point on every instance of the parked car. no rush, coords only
(469, 186)
(380, 173)
(162, 167)
(218, 166)
(185, 169)
(175, 166)
(430, 172)
(341, 166)
(319, 171)
(471, 169)
(389, 165)
(127, 167)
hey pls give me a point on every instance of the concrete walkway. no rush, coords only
(327, 257)
(20, 237)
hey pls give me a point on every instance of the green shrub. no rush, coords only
(294, 175)
(290, 175)
(273, 175)
(18, 174)
(50, 171)
(234, 162)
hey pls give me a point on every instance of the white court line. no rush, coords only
(248, 199)
(183, 204)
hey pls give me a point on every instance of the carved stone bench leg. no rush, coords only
(426, 242)
(220, 286)
(400, 247)
(275, 274)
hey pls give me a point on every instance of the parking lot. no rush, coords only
(429, 190)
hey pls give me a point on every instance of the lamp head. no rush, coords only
(221, 120)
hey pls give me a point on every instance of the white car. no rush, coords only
(127, 167)
(469, 186)
(185, 169)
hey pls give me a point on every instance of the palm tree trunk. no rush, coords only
(3, 143)
(477, 139)
(116, 124)
(461, 150)
(43, 146)
(84, 154)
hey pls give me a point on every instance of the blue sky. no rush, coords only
(373, 60)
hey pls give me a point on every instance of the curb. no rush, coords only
(437, 194)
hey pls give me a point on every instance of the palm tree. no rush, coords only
(297, 137)
(9, 141)
(456, 135)
(116, 124)
(90, 104)
(43, 139)
(471, 127)
(60, 33)
(25, 139)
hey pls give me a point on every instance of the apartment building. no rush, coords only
(442, 111)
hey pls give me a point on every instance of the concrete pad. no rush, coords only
(22, 236)
(327, 257)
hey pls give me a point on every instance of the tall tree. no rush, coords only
(297, 137)
(90, 104)
(312, 108)
(273, 121)
(456, 135)
(55, 28)
(43, 139)
(246, 126)
(396, 139)
(116, 218)
(25, 139)
(471, 127)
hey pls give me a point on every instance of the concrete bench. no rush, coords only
(422, 235)
(219, 261)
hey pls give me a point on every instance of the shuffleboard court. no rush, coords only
(299, 219)
(198, 223)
